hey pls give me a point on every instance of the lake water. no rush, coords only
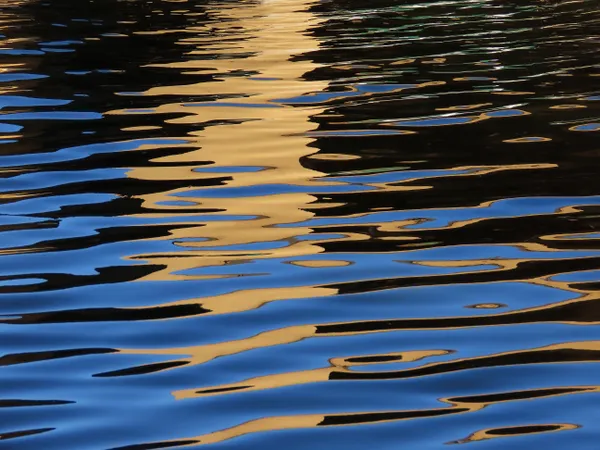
(299, 224)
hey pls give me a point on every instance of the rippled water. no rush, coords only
(299, 224)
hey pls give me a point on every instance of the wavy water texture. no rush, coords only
(299, 224)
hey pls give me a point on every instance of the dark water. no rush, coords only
(299, 224)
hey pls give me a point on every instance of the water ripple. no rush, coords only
(299, 224)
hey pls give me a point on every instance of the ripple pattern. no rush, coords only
(299, 224)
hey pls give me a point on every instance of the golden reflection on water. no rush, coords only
(523, 430)
(201, 354)
(344, 366)
(257, 132)
(465, 107)
(457, 406)
(262, 116)
(244, 300)
(316, 420)
(527, 140)
(310, 376)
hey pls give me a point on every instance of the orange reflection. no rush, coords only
(309, 376)
(255, 131)
(526, 140)
(522, 430)
(457, 406)
(341, 366)
(575, 307)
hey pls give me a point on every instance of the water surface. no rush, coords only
(299, 224)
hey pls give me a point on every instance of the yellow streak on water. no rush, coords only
(341, 365)
(492, 433)
(306, 376)
(316, 420)
(271, 136)
(316, 264)
(204, 353)
(305, 421)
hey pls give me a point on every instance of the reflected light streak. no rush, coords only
(272, 138)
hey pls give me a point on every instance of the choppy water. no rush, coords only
(299, 224)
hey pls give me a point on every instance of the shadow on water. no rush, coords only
(299, 224)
